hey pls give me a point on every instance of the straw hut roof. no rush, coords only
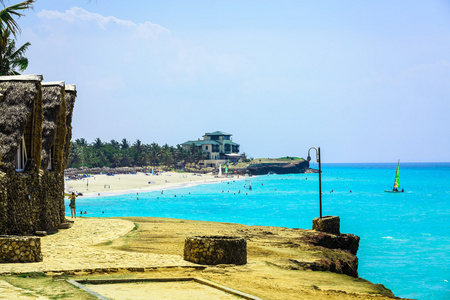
(70, 95)
(21, 108)
(53, 102)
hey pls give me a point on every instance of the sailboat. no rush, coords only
(396, 188)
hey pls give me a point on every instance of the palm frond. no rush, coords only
(12, 60)
(19, 52)
(8, 13)
(21, 64)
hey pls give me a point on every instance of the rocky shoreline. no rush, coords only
(255, 168)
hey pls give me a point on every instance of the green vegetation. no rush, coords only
(114, 154)
(291, 158)
(11, 58)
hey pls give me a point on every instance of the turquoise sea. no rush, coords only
(405, 237)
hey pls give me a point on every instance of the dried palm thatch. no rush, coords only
(52, 99)
(1, 98)
(70, 95)
(61, 132)
(21, 115)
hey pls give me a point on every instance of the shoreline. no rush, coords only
(122, 184)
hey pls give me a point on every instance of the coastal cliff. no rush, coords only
(284, 167)
(339, 255)
(282, 262)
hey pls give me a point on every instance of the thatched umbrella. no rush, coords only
(21, 116)
(54, 125)
(70, 95)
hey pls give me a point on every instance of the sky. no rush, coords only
(367, 81)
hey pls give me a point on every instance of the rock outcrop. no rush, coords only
(347, 242)
(335, 260)
(296, 166)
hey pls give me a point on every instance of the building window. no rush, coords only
(206, 147)
(215, 148)
(21, 157)
(227, 147)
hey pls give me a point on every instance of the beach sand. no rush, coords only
(130, 183)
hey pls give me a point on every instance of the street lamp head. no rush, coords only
(308, 158)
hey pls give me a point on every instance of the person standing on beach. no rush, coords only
(72, 198)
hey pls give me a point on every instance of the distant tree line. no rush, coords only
(124, 154)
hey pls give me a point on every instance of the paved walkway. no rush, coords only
(73, 249)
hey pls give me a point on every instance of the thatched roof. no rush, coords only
(22, 100)
(70, 95)
(52, 99)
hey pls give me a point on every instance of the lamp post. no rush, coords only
(320, 175)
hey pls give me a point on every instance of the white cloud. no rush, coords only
(435, 74)
(147, 29)
(144, 46)
(442, 66)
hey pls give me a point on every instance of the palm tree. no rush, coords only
(138, 146)
(154, 153)
(13, 60)
(10, 26)
(81, 142)
(125, 144)
(98, 143)
(7, 21)
(115, 144)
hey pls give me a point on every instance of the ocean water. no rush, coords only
(405, 237)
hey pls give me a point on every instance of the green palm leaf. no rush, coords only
(7, 21)
(12, 60)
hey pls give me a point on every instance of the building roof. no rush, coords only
(217, 133)
(201, 142)
(70, 94)
(22, 98)
(52, 103)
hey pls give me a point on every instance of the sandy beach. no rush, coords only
(145, 182)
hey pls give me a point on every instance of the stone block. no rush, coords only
(64, 226)
(214, 250)
(20, 249)
(329, 224)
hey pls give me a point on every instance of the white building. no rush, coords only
(218, 144)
